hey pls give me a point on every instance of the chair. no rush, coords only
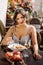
(36, 22)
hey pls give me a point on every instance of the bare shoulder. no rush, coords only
(31, 27)
(12, 27)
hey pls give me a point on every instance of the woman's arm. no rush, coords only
(33, 35)
(8, 34)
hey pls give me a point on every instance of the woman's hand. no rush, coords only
(37, 56)
(8, 40)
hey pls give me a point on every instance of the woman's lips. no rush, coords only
(22, 22)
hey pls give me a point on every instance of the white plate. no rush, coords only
(16, 46)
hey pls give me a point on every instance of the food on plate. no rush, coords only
(16, 46)
(19, 47)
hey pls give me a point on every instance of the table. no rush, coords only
(28, 60)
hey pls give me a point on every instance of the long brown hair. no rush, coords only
(17, 11)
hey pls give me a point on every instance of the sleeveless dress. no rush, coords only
(22, 41)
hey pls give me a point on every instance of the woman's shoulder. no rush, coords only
(31, 26)
(12, 27)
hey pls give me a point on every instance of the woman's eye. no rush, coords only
(17, 18)
(20, 18)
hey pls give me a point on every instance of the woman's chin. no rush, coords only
(21, 22)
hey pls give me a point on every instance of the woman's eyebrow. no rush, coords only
(21, 17)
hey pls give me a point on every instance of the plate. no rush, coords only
(17, 46)
(21, 47)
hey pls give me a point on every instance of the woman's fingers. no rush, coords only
(37, 56)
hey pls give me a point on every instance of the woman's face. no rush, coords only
(20, 18)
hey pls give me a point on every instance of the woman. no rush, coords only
(21, 31)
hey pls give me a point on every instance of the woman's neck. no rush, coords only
(21, 24)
